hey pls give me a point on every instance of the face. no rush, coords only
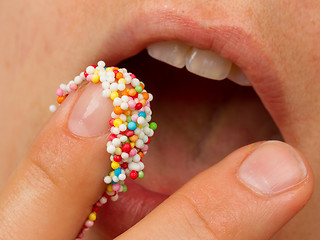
(274, 44)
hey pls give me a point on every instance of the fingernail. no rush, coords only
(272, 168)
(90, 114)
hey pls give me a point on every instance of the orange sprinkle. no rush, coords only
(145, 95)
(132, 92)
(119, 75)
(61, 99)
(125, 92)
(133, 138)
(141, 85)
(127, 113)
(141, 154)
(115, 68)
(117, 110)
(143, 102)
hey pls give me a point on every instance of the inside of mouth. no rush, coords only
(200, 121)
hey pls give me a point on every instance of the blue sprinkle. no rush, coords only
(132, 125)
(142, 114)
(117, 172)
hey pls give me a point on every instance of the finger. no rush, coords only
(249, 195)
(52, 192)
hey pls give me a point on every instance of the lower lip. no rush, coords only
(116, 217)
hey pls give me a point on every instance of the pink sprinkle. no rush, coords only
(89, 77)
(89, 223)
(134, 117)
(81, 235)
(132, 104)
(132, 75)
(99, 204)
(73, 86)
(148, 104)
(133, 152)
(116, 187)
(145, 148)
(59, 92)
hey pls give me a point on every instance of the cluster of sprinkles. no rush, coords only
(130, 132)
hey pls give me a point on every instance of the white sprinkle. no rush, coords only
(114, 198)
(52, 108)
(103, 200)
(111, 149)
(107, 179)
(123, 127)
(90, 69)
(78, 80)
(116, 142)
(122, 177)
(106, 93)
(101, 64)
(121, 86)
(117, 101)
(124, 106)
(135, 82)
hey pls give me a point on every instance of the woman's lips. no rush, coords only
(131, 207)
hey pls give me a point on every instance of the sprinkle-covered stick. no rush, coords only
(130, 132)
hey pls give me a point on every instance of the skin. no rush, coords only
(45, 44)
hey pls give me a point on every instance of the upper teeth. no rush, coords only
(204, 63)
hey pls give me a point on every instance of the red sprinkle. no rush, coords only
(149, 140)
(86, 74)
(138, 106)
(126, 147)
(124, 165)
(112, 136)
(111, 122)
(129, 133)
(133, 174)
(117, 158)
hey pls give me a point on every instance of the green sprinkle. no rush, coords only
(141, 174)
(124, 188)
(128, 119)
(153, 125)
(138, 89)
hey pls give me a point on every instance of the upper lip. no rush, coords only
(230, 40)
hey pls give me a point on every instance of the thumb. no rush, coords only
(249, 195)
(52, 192)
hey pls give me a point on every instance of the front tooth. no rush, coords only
(236, 75)
(208, 64)
(171, 52)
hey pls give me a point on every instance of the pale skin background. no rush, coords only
(46, 43)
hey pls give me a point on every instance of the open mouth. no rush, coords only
(202, 117)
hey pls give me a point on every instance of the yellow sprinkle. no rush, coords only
(117, 122)
(132, 144)
(109, 188)
(118, 151)
(96, 71)
(92, 216)
(108, 69)
(122, 80)
(112, 174)
(139, 126)
(95, 78)
(114, 95)
(115, 165)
